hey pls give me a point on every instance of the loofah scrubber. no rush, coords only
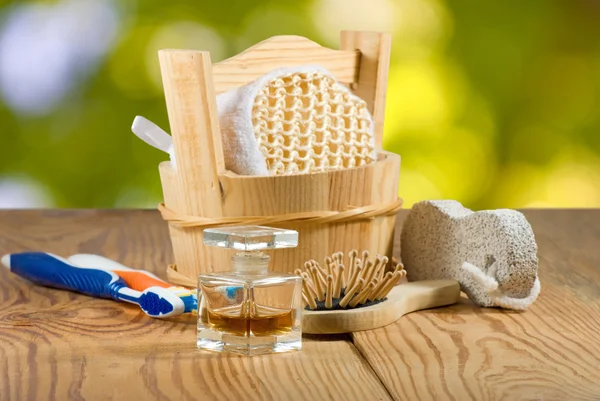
(294, 120)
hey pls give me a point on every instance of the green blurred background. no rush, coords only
(495, 104)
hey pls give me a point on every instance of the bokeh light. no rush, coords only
(23, 193)
(182, 34)
(494, 112)
(45, 49)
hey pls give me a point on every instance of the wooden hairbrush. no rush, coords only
(365, 295)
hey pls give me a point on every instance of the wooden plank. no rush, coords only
(194, 188)
(375, 49)
(59, 345)
(549, 352)
(332, 191)
(279, 52)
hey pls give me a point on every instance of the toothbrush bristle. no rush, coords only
(6, 261)
(154, 305)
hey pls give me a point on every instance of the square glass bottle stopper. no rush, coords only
(250, 238)
(250, 310)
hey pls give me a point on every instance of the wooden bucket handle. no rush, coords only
(371, 84)
(192, 109)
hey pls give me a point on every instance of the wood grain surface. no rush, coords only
(549, 352)
(375, 50)
(401, 300)
(56, 345)
(284, 52)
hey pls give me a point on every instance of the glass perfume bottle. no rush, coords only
(250, 310)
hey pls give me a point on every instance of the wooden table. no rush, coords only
(56, 345)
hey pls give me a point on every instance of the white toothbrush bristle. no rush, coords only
(6, 261)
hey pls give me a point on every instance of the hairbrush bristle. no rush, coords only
(363, 282)
(329, 293)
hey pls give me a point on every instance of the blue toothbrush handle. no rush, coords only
(51, 271)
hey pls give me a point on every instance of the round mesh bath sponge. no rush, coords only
(295, 120)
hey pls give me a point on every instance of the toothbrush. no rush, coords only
(153, 135)
(138, 280)
(53, 271)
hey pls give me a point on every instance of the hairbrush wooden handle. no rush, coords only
(402, 299)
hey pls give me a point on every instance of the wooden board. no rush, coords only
(56, 345)
(375, 49)
(549, 352)
(282, 52)
(193, 187)
(404, 298)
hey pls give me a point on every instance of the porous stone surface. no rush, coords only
(439, 236)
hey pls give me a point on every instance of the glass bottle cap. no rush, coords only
(250, 238)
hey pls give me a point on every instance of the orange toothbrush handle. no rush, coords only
(139, 281)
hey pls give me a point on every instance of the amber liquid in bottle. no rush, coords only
(262, 324)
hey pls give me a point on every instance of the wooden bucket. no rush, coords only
(357, 206)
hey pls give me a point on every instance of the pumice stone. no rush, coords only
(491, 253)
